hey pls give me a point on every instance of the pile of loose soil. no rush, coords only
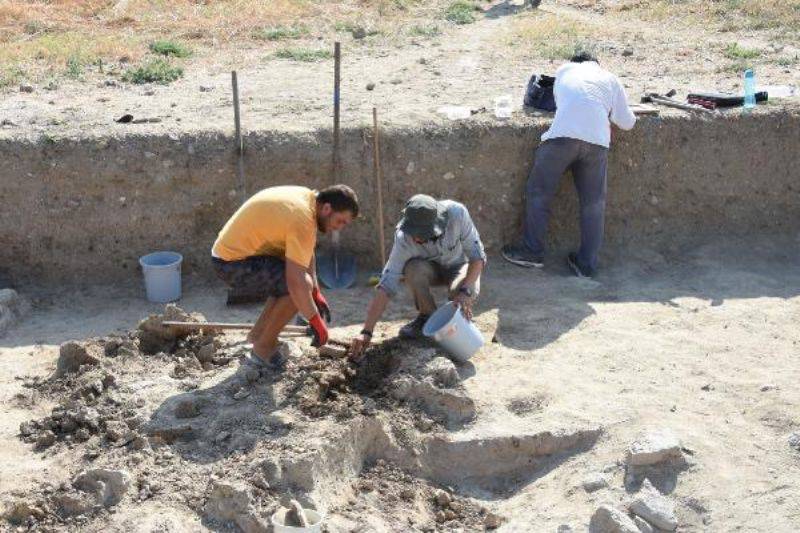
(180, 418)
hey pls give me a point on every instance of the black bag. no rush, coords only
(539, 93)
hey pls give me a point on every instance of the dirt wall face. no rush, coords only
(86, 209)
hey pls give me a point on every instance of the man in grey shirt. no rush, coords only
(436, 243)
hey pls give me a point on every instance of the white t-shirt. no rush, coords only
(587, 97)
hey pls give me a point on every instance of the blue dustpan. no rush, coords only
(336, 270)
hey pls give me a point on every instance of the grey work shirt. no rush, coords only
(459, 243)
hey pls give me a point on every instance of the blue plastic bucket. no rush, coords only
(450, 328)
(162, 276)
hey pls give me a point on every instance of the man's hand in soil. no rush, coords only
(359, 345)
(465, 303)
(322, 304)
(319, 331)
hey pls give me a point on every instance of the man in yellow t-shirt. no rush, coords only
(267, 247)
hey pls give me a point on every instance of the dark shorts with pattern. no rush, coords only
(262, 275)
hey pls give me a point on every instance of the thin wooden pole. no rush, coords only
(337, 62)
(376, 165)
(239, 141)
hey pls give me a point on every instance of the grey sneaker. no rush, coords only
(577, 269)
(413, 330)
(273, 366)
(521, 256)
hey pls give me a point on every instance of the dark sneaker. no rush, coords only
(577, 269)
(273, 366)
(413, 330)
(521, 256)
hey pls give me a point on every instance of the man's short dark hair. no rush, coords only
(582, 56)
(340, 197)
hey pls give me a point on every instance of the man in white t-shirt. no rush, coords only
(588, 99)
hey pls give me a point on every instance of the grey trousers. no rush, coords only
(421, 275)
(588, 164)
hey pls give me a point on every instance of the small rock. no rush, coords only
(439, 516)
(794, 440)
(73, 504)
(149, 92)
(110, 83)
(565, 528)
(109, 486)
(370, 86)
(367, 486)
(206, 353)
(21, 512)
(241, 394)
(221, 436)
(45, 439)
(707, 387)
(594, 481)
(443, 371)
(643, 526)
(654, 447)
(116, 430)
(73, 355)
(26, 429)
(656, 509)
(607, 519)
(186, 409)
(449, 515)
(7, 122)
(26, 88)
(82, 435)
(448, 176)
(408, 494)
(359, 33)
(395, 81)
(422, 61)
(206, 89)
(765, 388)
(492, 521)
(442, 498)
(627, 52)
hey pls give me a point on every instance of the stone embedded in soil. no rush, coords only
(187, 409)
(154, 337)
(108, 486)
(444, 372)
(492, 521)
(116, 430)
(206, 353)
(643, 526)
(19, 512)
(442, 498)
(12, 308)
(73, 355)
(231, 502)
(73, 504)
(794, 441)
(594, 482)
(655, 508)
(45, 439)
(654, 447)
(607, 519)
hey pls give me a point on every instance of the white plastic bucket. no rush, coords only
(449, 327)
(279, 519)
(162, 276)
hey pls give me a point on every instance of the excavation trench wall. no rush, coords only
(86, 209)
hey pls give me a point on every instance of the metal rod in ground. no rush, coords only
(376, 165)
(239, 142)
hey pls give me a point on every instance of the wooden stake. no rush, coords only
(376, 165)
(239, 141)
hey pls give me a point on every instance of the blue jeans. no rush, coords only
(588, 163)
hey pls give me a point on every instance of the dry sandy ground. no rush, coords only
(413, 76)
(704, 343)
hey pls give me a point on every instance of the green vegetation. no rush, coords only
(425, 31)
(169, 49)
(734, 51)
(280, 33)
(303, 54)
(461, 12)
(154, 71)
(11, 76)
(74, 68)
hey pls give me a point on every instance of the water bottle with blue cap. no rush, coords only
(749, 90)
